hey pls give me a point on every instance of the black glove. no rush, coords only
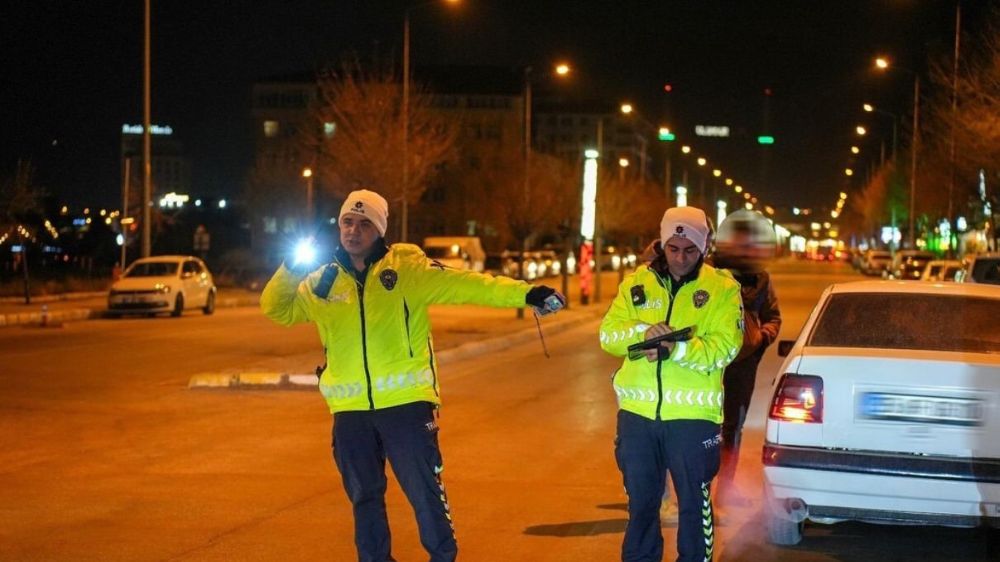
(537, 295)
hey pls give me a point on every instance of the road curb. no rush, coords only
(267, 380)
(76, 314)
(273, 380)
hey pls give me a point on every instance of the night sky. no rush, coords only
(72, 71)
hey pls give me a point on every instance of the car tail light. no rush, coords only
(799, 398)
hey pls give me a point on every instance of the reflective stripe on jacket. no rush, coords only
(688, 384)
(379, 347)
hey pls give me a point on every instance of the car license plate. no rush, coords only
(921, 409)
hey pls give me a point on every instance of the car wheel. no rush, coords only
(783, 532)
(209, 304)
(178, 306)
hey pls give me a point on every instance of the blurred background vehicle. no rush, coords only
(457, 252)
(875, 262)
(163, 284)
(908, 264)
(981, 268)
(941, 270)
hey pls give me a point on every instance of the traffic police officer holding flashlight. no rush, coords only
(381, 379)
(670, 395)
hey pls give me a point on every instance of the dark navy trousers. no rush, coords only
(407, 436)
(645, 450)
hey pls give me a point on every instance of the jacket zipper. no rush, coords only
(434, 382)
(364, 344)
(406, 318)
(659, 362)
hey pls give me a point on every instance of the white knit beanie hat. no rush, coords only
(685, 222)
(367, 204)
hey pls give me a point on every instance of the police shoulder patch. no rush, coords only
(700, 298)
(388, 277)
(638, 295)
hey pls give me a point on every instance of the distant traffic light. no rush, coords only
(666, 135)
(765, 139)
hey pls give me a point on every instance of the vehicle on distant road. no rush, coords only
(982, 268)
(941, 270)
(458, 252)
(163, 284)
(908, 264)
(875, 262)
(884, 410)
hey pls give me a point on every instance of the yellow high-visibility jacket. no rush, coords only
(377, 336)
(688, 384)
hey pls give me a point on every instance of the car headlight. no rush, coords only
(161, 288)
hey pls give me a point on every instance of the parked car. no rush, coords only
(163, 284)
(458, 252)
(908, 264)
(884, 410)
(941, 270)
(982, 268)
(876, 262)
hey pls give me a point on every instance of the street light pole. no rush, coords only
(954, 109)
(406, 127)
(913, 158)
(147, 141)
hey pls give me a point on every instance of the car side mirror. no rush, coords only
(785, 347)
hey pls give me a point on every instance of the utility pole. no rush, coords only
(147, 141)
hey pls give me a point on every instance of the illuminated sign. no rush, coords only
(174, 200)
(711, 130)
(589, 217)
(153, 130)
(765, 139)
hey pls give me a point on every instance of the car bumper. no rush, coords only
(139, 303)
(841, 485)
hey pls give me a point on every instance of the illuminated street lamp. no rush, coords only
(860, 130)
(883, 64)
(623, 162)
(855, 150)
(685, 149)
(729, 181)
(626, 108)
(717, 173)
(562, 69)
(738, 189)
(702, 161)
(307, 173)
(868, 107)
(848, 172)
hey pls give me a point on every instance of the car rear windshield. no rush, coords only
(439, 252)
(987, 271)
(909, 321)
(152, 269)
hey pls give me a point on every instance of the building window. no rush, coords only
(270, 129)
(270, 225)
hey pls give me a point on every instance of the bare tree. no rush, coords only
(19, 197)
(630, 210)
(365, 148)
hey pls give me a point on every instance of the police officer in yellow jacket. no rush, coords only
(381, 379)
(670, 396)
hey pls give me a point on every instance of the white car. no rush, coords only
(887, 409)
(163, 284)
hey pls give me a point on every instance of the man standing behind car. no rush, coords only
(670, 398)
(381, 379)
(745, 243)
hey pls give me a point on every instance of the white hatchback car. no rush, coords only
(887, 409)
(163, 284)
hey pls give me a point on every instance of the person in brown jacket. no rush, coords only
(745, 243)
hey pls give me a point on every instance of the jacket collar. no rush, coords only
(344, 259)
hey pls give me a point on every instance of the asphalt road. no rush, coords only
(108, 456)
